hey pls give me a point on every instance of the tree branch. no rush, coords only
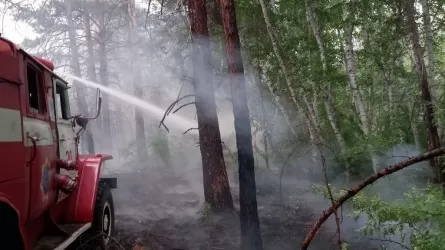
(182, 106)
(169, 109)
(331, 197)
(371, 179)
(185, 132)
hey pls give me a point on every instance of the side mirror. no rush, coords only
(83, 121)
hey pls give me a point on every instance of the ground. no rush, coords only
(166, 212)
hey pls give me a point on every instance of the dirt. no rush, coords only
(164, 211)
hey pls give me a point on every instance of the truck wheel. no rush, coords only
(103, 220)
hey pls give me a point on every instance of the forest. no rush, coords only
(255, 124)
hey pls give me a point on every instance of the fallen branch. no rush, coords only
(371, 179)
(101, 235)
(331, 198)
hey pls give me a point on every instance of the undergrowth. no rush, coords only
(417, 220)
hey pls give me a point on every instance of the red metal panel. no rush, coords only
(13, 163)
(9, 95)
(9, 66)
(42, 199)
(82, 200)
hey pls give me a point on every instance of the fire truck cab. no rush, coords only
(50, 195)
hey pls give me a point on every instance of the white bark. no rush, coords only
(413, 123)
(312, 18)
(282, 65)
(283, 111)
(429, 42)
(431, 67)
(357, 96)
(351, 69)
(314, 146)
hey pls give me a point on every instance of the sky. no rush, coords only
(16, 31)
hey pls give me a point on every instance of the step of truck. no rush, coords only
(73, 232)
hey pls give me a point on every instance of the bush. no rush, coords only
(418, 219)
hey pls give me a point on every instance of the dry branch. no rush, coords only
(371, 179)
(184, 105)
(185, 132)
(170, 108)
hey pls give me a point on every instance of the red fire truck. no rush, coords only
(50, 195)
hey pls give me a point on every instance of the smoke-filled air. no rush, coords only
(238, 124)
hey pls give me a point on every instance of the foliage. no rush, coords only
(206, 212)
(385, 74)
(417, 219)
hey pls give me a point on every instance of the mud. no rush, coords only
(165, 211)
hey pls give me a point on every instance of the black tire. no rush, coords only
(9, 228)
(102, 228)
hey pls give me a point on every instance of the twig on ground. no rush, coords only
(99, 235)
(331, 197)
(369, 180)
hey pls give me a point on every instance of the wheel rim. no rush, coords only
(106, 223)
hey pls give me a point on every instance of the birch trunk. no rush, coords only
(312, 18)
(283, 67)
(314, 145)
(351, 69)
(265, 124)
(429, 44)
(356, 95)
(413, 123)
(429, 114)
(283, 111)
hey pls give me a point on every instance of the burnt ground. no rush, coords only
(166, 212)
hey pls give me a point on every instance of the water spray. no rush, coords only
(178, 121)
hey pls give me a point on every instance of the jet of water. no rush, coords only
(178, 121)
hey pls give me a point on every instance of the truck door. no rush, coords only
(67, 140)
(38, 139)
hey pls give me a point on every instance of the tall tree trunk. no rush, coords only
(250, 223)
(413, 122)
(332, 117)
(356, 94)
(433, 135)
(314, 146)
(103, 74)
(293, 93)
(135, 70)
(87, 142)
(266, 133)
(92, 75)
(216, 185)
(280, 106)
(90, 49)
(429, 44)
